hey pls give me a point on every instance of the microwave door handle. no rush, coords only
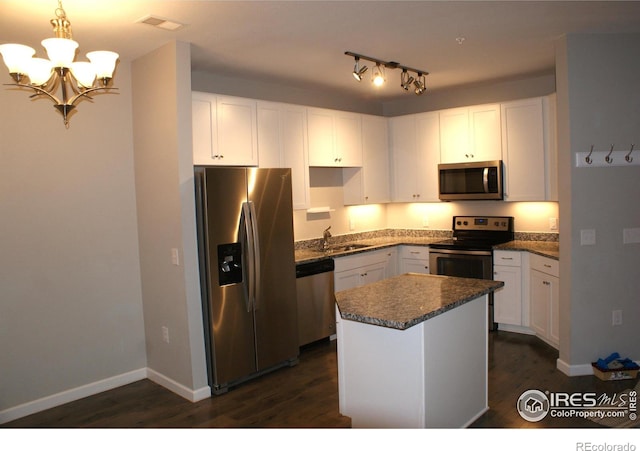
(485, 179)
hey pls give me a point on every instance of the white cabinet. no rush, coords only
(335, 138)
(224, 130)
(528, 148)
(282, 143)
(545, 298)
(414, 259)
(370, 184)
(470, 134)
(508, 300)
(415, 150)
(360, 269)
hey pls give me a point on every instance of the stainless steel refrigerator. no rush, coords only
(247, 272)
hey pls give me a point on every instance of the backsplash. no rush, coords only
(429, 233)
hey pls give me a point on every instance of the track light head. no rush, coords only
(377, 76)
(358, 72)
(420, 85)
(406, 80)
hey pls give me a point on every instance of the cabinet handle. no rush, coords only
(547, 266)
(546, 283)
(415, 252)
(506, 258)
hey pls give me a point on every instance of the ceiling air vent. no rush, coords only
(161, 22)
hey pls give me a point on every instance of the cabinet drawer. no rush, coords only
(545, 265)
(415, 252)
(507, 258)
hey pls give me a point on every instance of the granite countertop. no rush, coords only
(404, 301)
(311, 254)
(550, 249)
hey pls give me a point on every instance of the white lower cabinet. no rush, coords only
(507, 267)
(360, 269)
(545, 298)
(414, 259)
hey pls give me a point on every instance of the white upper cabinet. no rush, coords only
(224, 130)
(528, 146)
(415, 150)
(282, 143)
(370, 184)
(470, 134)
(335, 138)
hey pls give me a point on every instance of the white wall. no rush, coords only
(70, 296)
(166, 219)
(598, 98)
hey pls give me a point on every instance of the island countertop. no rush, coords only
(409, 299)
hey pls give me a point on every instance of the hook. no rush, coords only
(628, 156)
(588, 159)
(608, 158)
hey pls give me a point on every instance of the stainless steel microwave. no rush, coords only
(480, 180)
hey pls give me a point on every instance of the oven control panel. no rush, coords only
(491, 223)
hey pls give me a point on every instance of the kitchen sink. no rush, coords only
(347, 247)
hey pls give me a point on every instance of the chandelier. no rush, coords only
(378, 74)
(74, 80)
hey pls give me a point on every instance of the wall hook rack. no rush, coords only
(606, 158)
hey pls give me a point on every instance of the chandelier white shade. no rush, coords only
(75, 80)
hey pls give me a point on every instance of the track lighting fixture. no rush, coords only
(406, 80)
(420, 85)
(358, 72)
(378, 77)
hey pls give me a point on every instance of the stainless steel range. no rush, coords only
(470, 252)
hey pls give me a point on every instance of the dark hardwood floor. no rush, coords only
(306, 396)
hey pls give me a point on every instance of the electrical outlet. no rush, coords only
(587, 237)
(425, 220)
(630, 236)
(165, 334)
(175, 256)
(616, 318)
(553, 223)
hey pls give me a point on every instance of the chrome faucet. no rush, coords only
(324, 245)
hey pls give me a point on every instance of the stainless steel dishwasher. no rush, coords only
(316, 300)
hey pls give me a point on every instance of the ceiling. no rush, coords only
(302, 43)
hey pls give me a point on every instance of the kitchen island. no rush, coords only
(412, 351)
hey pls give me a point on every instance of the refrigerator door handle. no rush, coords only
(247, 246)
(256, 255)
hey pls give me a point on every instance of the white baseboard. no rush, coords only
(38, 405)
(584, 369)
(58, 399)
(178, 388)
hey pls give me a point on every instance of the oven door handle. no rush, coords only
(459, 252)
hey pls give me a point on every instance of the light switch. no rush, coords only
(630, 236)
(587, 237)
(175, 256)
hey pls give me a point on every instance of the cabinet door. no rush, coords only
(343, 280)
(348, 139)
(484, 132)
(540, 301)
(237, 131)
(508, 299)
(454, 136)
(428, 156)
(404, 157)
(524, 153)
(282, 143)
(373, 273)
(417, 266)
(370, 184)
(203, 123)
(554, 310)
(295, 153)
(321, 137)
